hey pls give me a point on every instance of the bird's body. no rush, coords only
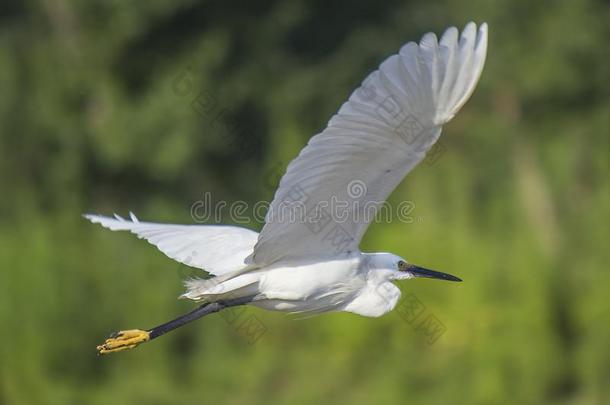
(349, 284)
(306, 259)
(309, 287)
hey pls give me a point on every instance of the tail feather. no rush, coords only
(224, 287)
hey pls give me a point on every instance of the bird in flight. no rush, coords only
(306, 258)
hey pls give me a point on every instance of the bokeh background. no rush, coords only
(114, 106)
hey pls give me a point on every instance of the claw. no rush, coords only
(123, 340)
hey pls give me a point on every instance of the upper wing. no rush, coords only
(215, 248)
(325, 200)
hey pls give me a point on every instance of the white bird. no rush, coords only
(310, 262)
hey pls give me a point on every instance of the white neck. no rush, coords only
(379, 295)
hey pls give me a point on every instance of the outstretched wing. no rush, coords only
(325, 200)
(214, 248)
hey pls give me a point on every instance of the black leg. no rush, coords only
(128, 339)
(195, 314)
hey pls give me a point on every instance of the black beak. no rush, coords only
(421, 272)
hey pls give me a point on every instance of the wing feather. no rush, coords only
(216, 249)
(381, 133)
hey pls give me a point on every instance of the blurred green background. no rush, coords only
(114, 106)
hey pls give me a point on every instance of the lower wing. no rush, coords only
(217, 249)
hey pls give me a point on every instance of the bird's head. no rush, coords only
(396, 268)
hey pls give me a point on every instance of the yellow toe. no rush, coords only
(123, 340)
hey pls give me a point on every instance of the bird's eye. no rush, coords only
(402, 265)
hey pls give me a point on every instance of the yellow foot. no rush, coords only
(123, 340)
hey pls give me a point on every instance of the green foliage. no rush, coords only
(145, 106)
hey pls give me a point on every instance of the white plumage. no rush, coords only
(313, 264)
(217, 249)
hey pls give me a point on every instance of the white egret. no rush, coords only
(311, 263)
